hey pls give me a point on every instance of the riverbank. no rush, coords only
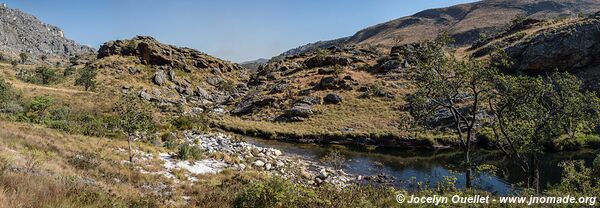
(392, 139)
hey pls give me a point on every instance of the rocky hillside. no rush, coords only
(24, 33)
(541, 46)
(345, 94)
(253, 65)
(179, 80)
(465, 22)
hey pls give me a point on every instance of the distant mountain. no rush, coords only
(466, 23)
(24, 33)
(253, 65)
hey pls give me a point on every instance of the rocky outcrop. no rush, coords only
(152, 52)
(571, 47)
(331, 60)
(24, 33)
(252, 103)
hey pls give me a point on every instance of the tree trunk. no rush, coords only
(129, 140)
(468, 162)
(533, 173)
(536, 173)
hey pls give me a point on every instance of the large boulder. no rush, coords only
(159, 77)
(333, 98)
(328, 83)
(251, 104)
(310, 100)
(202, 93)
(299, 112)
(322, 61)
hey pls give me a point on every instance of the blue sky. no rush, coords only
(234, 30)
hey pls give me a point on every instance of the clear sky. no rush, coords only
(239, 30)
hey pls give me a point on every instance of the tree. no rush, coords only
(44, 57)
(134, 117)
(23, 57)
(45, 75)
(531, 112)
(14, 64)
(398, 40)
(5, 91)
(39, 106)
(87, 78)
(457, 87)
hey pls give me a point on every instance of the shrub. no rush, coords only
(5, 91)
(133, 116)
(61, 113)
(14, 63)
(576, 178)
(189, 152)
(596, 166)
(4, 165)
(567, 142)
(189, 122)
(33, 160)
(41, 75)
(87, 78)
(277, 192)
(23, 57)
(227, 86)
(591, 140)
(38, 107)
(73, 60)
(169, 141)
(322, 53)
(85, 160)
(334, 159)
(46, 75)
(69, 71)
(91, 125)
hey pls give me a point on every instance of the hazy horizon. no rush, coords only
(234, 30)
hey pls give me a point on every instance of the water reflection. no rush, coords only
(429, 168)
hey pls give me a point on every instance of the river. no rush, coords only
(431, 167)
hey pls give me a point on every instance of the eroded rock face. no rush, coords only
(152, 52)
(571, 47)
(22, 32)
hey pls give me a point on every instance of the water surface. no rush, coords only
(431, 167)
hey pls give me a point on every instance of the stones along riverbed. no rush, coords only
(303, 163)
(226, 152)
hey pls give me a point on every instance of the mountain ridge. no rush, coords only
(466, 23)
(24, 33)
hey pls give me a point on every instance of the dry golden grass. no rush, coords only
(47, 177)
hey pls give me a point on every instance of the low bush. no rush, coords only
(334, 159)
(69, 71)
(189, 152)
(567, 142)
(41, 75)
(85, 160)
(596, 166)
(277, 192)
(591, 140)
